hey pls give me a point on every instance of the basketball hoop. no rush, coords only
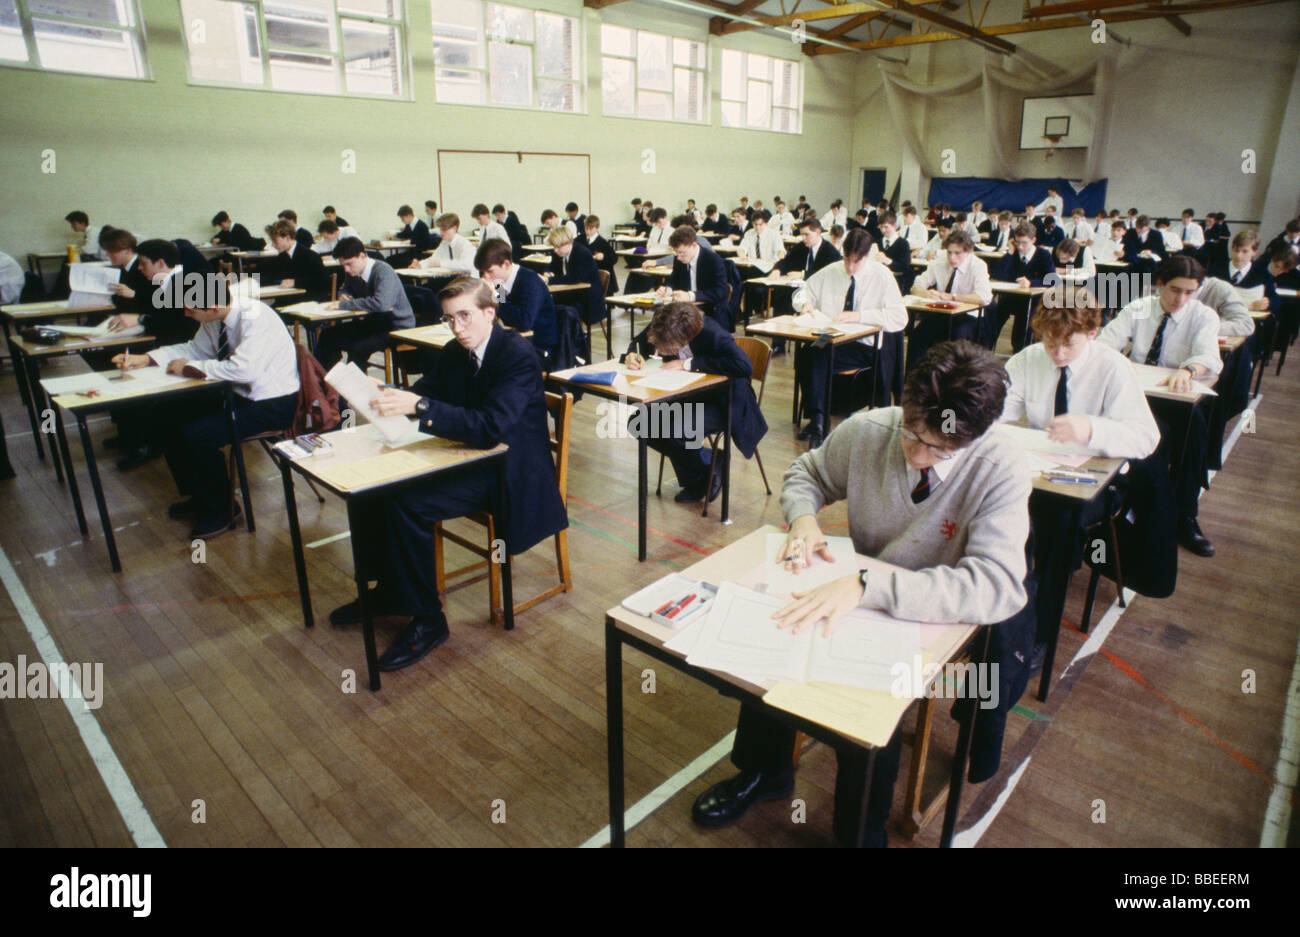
(1052, 139)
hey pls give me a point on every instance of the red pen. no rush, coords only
(681, 605)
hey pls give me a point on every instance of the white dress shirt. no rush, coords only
(1107, 250)
(1086, 269)
(658, 236)
(91, 249)
(493, 231)
(933, 248)
(1081, 232)
(969, 227)
(1053, 201)
(1101, 384)
(263, 362)
(876, 298)
(11, 280)
(972, 277)
(1191, 337)
(915, 233)
(1191, 233)
(1002, 239)
(455, 254)
(573, 228)
(1173, 243)
(784, 223)
(978, 218)
(839, 217)
(771, 244)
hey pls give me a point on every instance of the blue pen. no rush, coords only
(1070, 480)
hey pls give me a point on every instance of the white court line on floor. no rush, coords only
(667, 790)
(134, 813)
(28, 433)
(320, 543)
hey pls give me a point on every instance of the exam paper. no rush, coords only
(92, 278)
(780, 582)
(864, 650)
(740, 636)
(359, 391)
(308, 309)
(668, 380)
(98, 331)
(1035, 443)
(1149, 378)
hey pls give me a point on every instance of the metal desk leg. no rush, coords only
(363, 597)
(66, 456)
(861, 835)
(23, 372)
(960, 760)
(726, 467)
(642, 446)
(830, 379)
(98, 488)
(609, 331)
(295, 537)
(237, 450)
(502, 519)
(614, 731)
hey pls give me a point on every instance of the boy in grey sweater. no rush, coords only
(931, 489)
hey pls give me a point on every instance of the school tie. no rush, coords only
(922, 489)
(887, 243)
(848, 297)
(807, 267)
(223, 343)
(1153, 355)
(758, 248)
(1062, 405)
(473, 356)
(951, 281)
(1184, 232)
(1236, 277)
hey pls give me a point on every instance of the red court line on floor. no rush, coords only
(649, 529)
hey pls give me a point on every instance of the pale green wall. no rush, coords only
(160, 157)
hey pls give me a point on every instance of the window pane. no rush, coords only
(458, 87)
(101, 11)
(392, 9)
(511, 70)
(652, 61)
(688, 94)
(222, 41)
(733, 75)
(464, 54)
(557, 46)
(733, 114)
(291, 71)
(370, 58)
(617, 86)
(653, 105)
(90, 49)
(784, 120)
(758, 110)
(558, 96)
(787, 84)
(12, 46)
(615, 40)
(758, 66)
(688, 53)
(509, 22)
(300, 24)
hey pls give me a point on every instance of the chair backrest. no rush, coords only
(604, 282)
(560, 407)
(759, 353)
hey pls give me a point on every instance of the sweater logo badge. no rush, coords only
(948, 529)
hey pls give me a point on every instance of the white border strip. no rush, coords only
(134, 814)
(667, 790)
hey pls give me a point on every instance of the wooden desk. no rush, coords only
(82, 406)
(784, 327)
(312, 322)
(421, 274)
(274, 294)
(537, 261)
(737, 561)
(36, 258)
(252, 258)
(626, 390)
(773, 281)
(361, 469)
(213, 250)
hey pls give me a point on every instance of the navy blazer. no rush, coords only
(503, 402)
(582, 269)
(899, 254)
(1257, 275)
(237, 237)
(797, 257)
(304, 238)
(719, 226)
(191, 258)
(1011, 267)
(417, 234)
(1050, 239)
(710, 280)
(1134, 245)
(140, 284)
(162, 311)
(714, 351)
(529, 307)
(306, 268)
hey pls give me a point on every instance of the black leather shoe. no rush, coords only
(810, 427)
(136, 458)
(715, 489)
(727, 801)
(183, 510)
(815, 438)
(418, 638)
(688, 495)
(350, 614)
(1190, 536)
(208, 528)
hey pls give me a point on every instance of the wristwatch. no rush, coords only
(422, 407)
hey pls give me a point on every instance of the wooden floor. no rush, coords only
(216, 693)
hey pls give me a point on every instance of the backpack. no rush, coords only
(318, 403)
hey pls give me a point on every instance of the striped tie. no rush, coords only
(1157, 343)
(922, 489)
(223, 343)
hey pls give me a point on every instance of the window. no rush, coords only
(93, 37)
(656, 77)
(761, 93)
(493, 54)
(314, 46)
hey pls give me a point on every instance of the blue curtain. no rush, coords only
(1014, 196)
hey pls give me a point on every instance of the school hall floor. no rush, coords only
(216, 692)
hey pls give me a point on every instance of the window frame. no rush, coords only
(705, 70)
(136, 27)
(485, 41)
(265, 48)
(772, 82)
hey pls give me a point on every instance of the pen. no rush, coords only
(680, 605)
(1070, 480)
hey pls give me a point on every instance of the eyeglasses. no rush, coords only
(941, 454)
(464, 317)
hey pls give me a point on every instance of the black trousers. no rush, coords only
(192, 435)
(359, 339)
(1009, 305)
(933, 329)
(1058, 551)
(766, 744)
(1185, 442)
(398, 535)
(690, 464)
(811, 364)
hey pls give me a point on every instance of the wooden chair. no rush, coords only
(759, 353)
(561, 409)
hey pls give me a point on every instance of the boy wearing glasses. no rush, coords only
(929, 490)
(487, 389)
